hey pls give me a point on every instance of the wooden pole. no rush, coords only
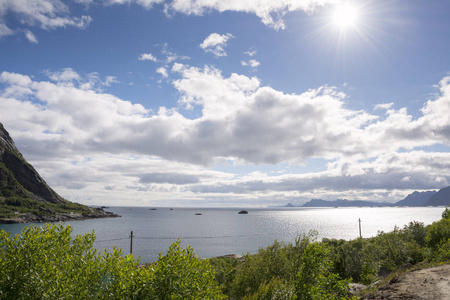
(359, 220)
(131, 243)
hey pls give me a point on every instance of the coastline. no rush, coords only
(96, 213)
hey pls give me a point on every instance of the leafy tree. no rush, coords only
(316, 280)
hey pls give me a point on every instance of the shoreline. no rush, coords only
(97, 213)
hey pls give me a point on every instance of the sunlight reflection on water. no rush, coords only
(222, 231)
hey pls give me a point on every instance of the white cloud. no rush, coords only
(47, 14)
(14, 79)
(65, 75)
(31, 37)
(172, 178)
(69, 77)
(250, 53)
(84, 2)
(148, 56)
(385, 106)
(270, 12)
(163, 72)
(215, 43)
(109, 80)
(5, 31)
(416, 170)
(98, 140)
(251, 63)
(170, 55)
(145, 3)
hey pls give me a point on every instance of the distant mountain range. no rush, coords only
(342, 203)
(428, 198)
(416, 199)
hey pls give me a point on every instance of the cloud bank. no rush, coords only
(52, 14)
(71, 123)
(46, 14)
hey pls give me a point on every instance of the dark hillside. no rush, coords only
(442, 197)
(22, 180)
(24, 195)
(416, 199)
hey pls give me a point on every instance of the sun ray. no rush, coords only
(345, 16)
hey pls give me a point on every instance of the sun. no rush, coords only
(345, 16)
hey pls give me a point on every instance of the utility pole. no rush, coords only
(359, 220)
(131, 243)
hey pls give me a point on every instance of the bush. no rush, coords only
(275, 289)
(438, 233)
(225, 270)
(316, 280)
(180, 274)
(278, 261)
(47, 263)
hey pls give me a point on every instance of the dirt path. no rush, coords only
(431, 283)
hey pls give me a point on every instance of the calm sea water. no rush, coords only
(223, 231)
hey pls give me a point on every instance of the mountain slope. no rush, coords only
(23, 173)
(342, 203)
(416, 199)
(26, 197)
(442, 197)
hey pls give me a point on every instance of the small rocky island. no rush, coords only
(26, 198)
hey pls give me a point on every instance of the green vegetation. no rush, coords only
(14, 198)
(47, 263)
(9, 186)
(10, 205)
(308, 269)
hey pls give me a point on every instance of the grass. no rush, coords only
(10, 205)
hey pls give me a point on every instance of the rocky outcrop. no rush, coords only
(23, 173)
(21, 186)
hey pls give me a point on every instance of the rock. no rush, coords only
(20, 182)
(356, 288)
(30, 182)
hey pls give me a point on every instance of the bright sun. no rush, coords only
(345, 16)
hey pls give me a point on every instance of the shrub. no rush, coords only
(47, 263)
(278, 261)
(180, 274)
(316, 280)
(438, 233)
(275, 289)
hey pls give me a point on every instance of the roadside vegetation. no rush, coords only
(48, 263)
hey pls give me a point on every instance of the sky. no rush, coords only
(217, 103)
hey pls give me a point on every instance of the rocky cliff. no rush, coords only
(24, 174)
(24, 195)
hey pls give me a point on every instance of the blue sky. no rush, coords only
(228, 103)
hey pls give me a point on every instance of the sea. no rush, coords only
(215, 232)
